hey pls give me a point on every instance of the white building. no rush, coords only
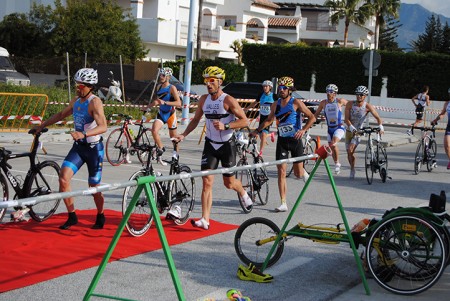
(164, 24)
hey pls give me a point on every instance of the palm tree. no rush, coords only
(383, 9)
(350, 10)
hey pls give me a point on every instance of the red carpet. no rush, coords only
(32, 252)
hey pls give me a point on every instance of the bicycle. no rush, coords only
(42, 178)
(309, 147)
(255, 180)
(178, 194)
(376, 159)
(426, 149)
(406, 251)
(122, 142)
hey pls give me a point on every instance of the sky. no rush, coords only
(437, 6)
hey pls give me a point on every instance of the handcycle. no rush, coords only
(406, 251)
(254, 181)
(42, 178)
(376, 159)
(175, 194)
(122, 141)
(309, 147)
(426, 149)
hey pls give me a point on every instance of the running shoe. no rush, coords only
(337, 168)
(127, 158)
(174, 213)
(409, 132)
(201, 223)
(247, 201)
(305, 176)
(448, 165)
(272, 136)
(352, 174)
(282, 208)
(252, 273)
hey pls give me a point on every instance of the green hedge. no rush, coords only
(406, 72)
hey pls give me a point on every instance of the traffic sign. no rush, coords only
(376, 59)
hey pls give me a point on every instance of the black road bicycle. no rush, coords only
(254, 181)
(426, 149)
(376, 159)
(42, 178)
(178, 195)
(309, 147)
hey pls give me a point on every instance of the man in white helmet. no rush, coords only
(90, 123)
(265, 101)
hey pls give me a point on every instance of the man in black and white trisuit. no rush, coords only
(423, 100)
(223, 114)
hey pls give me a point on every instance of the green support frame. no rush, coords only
(344, 218)
(143, 183)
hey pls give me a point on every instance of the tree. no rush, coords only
(388, 34)
(382, 9)
(445, 45)
(429, 40)
(237, 47)
(350, 11)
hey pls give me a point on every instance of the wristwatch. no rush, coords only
(227, 126)
(84, 133)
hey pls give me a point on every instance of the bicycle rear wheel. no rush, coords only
(418, 159)
(309, 149)
(144, 139)
(4, 194)
(261, 183)
(45, 180)
(406, 254)
(182, 194)
(254, 239)
(246, 179)
(369, 163)
(117, 146)
(141, 218)
(431, 155)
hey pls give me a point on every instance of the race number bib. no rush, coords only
(286, 130)
(264, 110)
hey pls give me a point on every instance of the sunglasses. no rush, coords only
(330, 92)
(80, 86)
(360, 95)
(281, 88)
(210, 80)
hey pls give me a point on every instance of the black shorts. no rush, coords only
(226, 154)
(286, 145)
(262, 118)
(419, 112)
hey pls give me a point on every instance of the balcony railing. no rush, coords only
(320, 26)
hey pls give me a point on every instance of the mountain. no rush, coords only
(414, 18)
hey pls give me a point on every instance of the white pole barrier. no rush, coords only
(115, 186)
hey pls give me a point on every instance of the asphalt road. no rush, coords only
(207, 267)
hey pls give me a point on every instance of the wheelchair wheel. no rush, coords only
(406, 254)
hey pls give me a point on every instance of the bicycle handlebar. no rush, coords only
(424, 128)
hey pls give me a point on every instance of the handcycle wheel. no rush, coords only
(406, 254)
(432, 148)
(254, 239)
(141, 218)
(261, 183)
(418, 159)
(45, 180)
(144, 139)
(309, 149)
(246, 179)
(383, 163)
(4, 194)
(182, 194)
(369, 164)
(117, 146)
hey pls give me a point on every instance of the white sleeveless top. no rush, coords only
(422, 100)
(358, 114)
(214, 110)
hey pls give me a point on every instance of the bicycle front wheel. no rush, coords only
(418, 159)
(254, 239)
(383, 163)
(45, 180)
(117, 146)
(261, 183)
(406, 254)
(369, 163)
(289, 169)
(141, 217)
(182, 194)
(431, 155)
(144, 139)
(4, 194)
(309, 149)
(246, 179)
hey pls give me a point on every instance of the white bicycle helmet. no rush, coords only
(331, 88)
(267, 83)
(167, 71)
(87, 76)
(362, 90)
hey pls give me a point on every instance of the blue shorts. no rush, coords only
(92, 155)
